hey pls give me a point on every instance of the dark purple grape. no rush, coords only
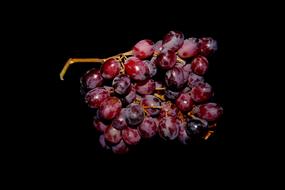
(143, 49)
(96, 96)
(174, 78)
(131, 136)
(173, 41)
(183, 136)
(194, 80)
(157, 47)
(110, 69)
(148, 128)
(92, 79)
(110, 108)
(120, 148)
(122, 84)
(112, 135)
(207, 46)
(134, 115)
(136, 69)
(168, 128)
(151, 101)
(184, 102)
(195, 128)
(166, 59)
(171, 95)
(119, 122)
(146, 87)
(202, 92)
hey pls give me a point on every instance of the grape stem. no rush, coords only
(71, 61)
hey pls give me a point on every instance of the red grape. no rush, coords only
(202, 92)
(173, 41)
(131, 136)
(174, 78)
(92, 79)
(168, 128)
(168, 109)
(112, 135)
(130, 97)
(96, 96)
(151, 66)
(110, 108)
(207, 46)
(110, 69)
(184, 102)
(136, 69)
(148, 128)
(189, 48)
(157, 47)
(209, 111)
(143, 49)
(166, 59)
(147, 87)
(199, 65)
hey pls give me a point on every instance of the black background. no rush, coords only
(66, 139)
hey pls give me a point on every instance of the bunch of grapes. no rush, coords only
(156, 89)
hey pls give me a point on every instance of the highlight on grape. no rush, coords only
(155, 89)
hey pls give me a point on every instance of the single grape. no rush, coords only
(99, 125)
(168, 128)
(148, 128)
(151, 101)
(166, 60)
(110, 69)
(112, 135)
(136, 69)
(174, 78)
(143, 49)
(184, 102)
(207, 46)
(131, 136)
(146, 87)
(96, 96)
(202, 92)
(173, 41)
(195, 128)
(194, 80)
(209, 111)
(134, 115)
(120, 148)
(189, 48)
(110, 108)
(92, 79)
(199, 65)
(122, 84)
(130, 97)
(119, 122)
